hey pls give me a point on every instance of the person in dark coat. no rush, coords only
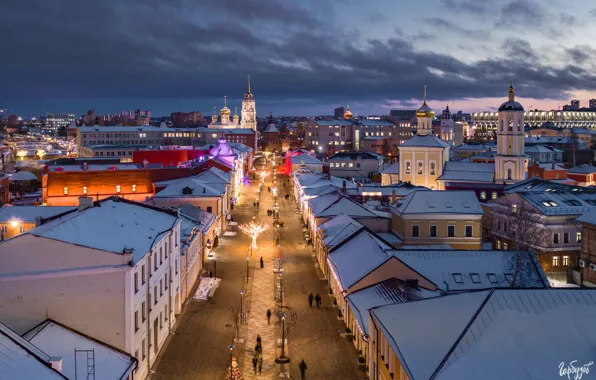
(260, 363)
(318, 300)
(259, 340)
(262, 264)
(310, 298)
(268, 316)
(258, 349)
(254, 364)
(254, 204)
(303, 368)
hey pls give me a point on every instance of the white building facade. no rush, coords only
(511, 162)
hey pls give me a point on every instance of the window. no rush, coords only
(143, 314)
(475, 278)
(566, 237)
(514, 209)
(137, 357)
(166, 282)
(565, 261)
(498, 224)
(155, 295)
(161, 287)
(143, 349)
(556, 238)
(492, 278)
(451, 231)
(143, 275)
(84, 189)
(155, 260)
(504, 246)
(498, 244)
(458, 278)
(136, 282)
(209, 209)
(555, 261)
(160, 256)
(408, 167)
(469, 231)
(578, 237)
(505, 226)
(432, 168)
(176, 265)
(66, 191)
(117, 188)
(495, 195)
(483, 195)
(136, 320)
(420, 164)
(509, 173)
(21, 228)
(433, 231)
(415, 231)
(161, 320)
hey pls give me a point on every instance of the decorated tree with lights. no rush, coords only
(254, 229)
(234, 371)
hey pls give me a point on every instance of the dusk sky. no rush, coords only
(304, 57)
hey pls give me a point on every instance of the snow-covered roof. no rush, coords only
(93, 167)
(142, 128)
(337, 229)
(23, 176)
(113, 226)
(390, 237)
(471, 147)
(583, 169)
(388, 292)
(541, 149)
(439, 202)
(350, 156)
(429, 141)
(357, 257)
(560, 202)
(59, 341)
(468, 270)
(308, 160)
(536, 184)
(215, 175)
(393, 169)
(10, 213)
(465, 330)
(19, 359)
(271, 128)
(332, 204)
(189, 187)
(468, 172)
(203, 219)
(400, 189)
(320, 190)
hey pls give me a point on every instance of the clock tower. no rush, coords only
(249, 112)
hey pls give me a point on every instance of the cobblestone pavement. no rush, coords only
(198, 350)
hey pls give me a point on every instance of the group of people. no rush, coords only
(269, 212)
(318, 300)
(257, 359)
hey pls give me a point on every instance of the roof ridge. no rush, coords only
(463, 333)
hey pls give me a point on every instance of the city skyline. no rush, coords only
(465, 52)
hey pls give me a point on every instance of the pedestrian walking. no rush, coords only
(254, 363)
(318, 300)
(268, 189)
(259, 349)
(268, 316)
(260, 363)
(262, 264)
(310, 298)
(259, 340)
(257, 204)
(254, 204)
(303, 368)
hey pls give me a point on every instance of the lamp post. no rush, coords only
(242, 306)
(282, 359)
(247, 258)
(231, 348)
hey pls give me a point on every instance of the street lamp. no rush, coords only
(247, 259)
(282, 359)
(242, 306)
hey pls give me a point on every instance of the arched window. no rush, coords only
(508, 173)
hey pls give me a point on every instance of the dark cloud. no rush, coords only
(581, 54)
(477, 7)
(182, 49)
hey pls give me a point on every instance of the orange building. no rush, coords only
(551, 172)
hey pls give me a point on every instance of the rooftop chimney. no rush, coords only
(85, 203)
(56, 363)
(38, 221)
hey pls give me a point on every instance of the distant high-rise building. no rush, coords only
(13, 120)
(575, 104)
(56, 120)
(592, 103)
(338, 113)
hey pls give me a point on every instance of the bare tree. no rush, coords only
(236, 318)
(525, 231)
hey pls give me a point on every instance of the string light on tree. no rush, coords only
(264, 174)
(254, 229)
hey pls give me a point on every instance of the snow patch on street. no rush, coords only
(206, 288)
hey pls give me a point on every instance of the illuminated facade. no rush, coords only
(511, 161)
(249, 110)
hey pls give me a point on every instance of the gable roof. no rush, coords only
(332, 204)
(468, 172)
(20, 359)
(462, 270)
(388, 292)
(307, 158)
(428, 141)
(338, 228)
(560, 203)
(439, 202)
(10, 213)
(113, 225)
(538, 184)
(203, 219)
(194, 188)
(357, 256)
(59, 341)
(582, 169)
(393, 169)
(496, 334)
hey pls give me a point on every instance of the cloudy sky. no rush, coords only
(304, 57)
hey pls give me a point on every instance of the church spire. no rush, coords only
(248, 90)
(511, 92)
(424, 96)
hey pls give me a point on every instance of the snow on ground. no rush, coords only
(206, 288)
(559, 284)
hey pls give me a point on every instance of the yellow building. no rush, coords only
(439, 217)
(423, 156)
(511, 162)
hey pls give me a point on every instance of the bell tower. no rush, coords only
(249, 111)
(511, 162)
